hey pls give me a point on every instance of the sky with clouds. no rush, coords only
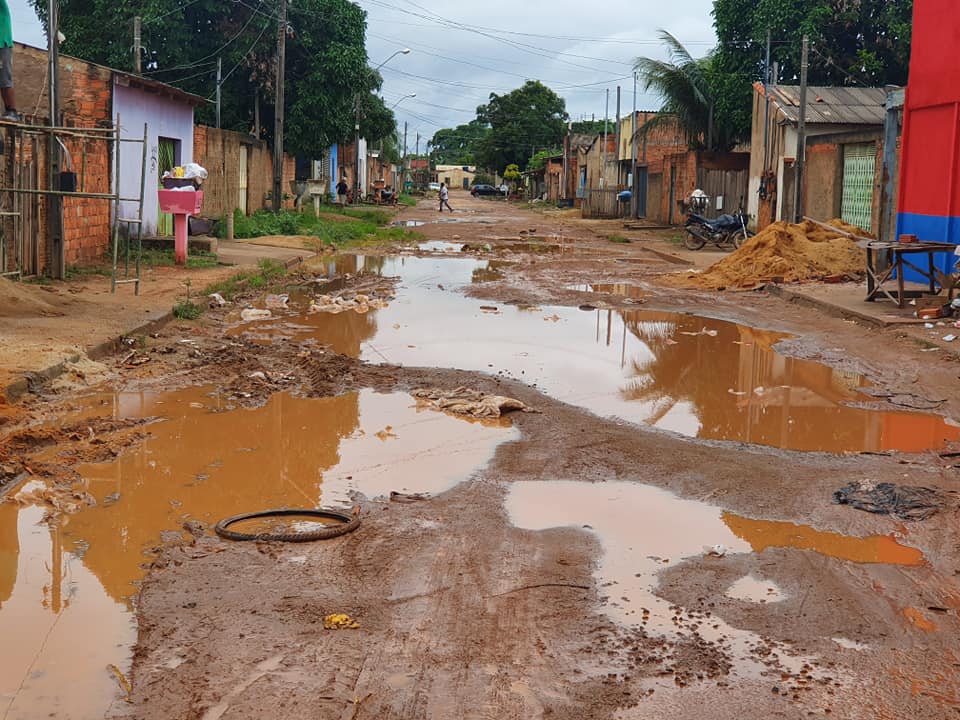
(461, 51)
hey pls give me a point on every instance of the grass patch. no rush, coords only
(266, 273)
(407, 200)
(152, 258)
(354, 226)
(618, 238)
(187, 310)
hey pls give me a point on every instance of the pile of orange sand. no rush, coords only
(786, 253)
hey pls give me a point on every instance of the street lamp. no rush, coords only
(356, 172)
(411, 95)
(405, 51)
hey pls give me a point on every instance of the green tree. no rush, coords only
(512, 173)
(540, 159)
(458, 146)
(865, 43)
(521, 122)
(686, 87)
(326, 60)
(591, 127)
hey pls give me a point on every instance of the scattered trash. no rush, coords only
(276, 301)
(715, 550)
(464, 401)
(121, 681)
(359, 303)
(258, 375)
(736, 392)
(249, 314)
(216, 300)
(949, 338)
(929, 326)
(703, 331)
(904, 501)
(408, 497)
(490, 308)
(340, 621)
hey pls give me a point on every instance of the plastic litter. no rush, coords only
(718, 550)
(949, 338)
(249, 314)
(276, 301)
(340, 621)
(464, 401)
(903, 501)
(216, 300)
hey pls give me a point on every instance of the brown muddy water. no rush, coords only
(67, 589)
(696, 376)
(673, 530)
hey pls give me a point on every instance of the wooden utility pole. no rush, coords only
(633, 153)
(54, 203)
(606, 116)
(403, 165)
(278, 110)
(801, 135)
(219, 80)
(136, 44)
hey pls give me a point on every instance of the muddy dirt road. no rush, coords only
(657, 539)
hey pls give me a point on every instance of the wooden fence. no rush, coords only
(602, 203)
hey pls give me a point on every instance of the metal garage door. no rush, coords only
(859, 166)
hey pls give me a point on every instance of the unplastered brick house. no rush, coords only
(93, 96)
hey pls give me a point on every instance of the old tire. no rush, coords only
(693, 241)
(348, 523)
(740, 237)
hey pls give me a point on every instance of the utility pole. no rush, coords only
(219, 76)
(616, 134)
(801, 134)
(136, 44)
(766, 110)
(603, 170)
(356, 147)
(54, 203)
(404, 164)
(633, 152)
(278, 110)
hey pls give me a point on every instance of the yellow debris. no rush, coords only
(340, 621)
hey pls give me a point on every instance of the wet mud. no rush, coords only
(657, 538)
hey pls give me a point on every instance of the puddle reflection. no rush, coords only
(696, 376)
(66, 591)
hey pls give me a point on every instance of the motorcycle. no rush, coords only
(724, 230)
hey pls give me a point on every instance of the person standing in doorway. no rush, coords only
(6, 65)
(444, 197)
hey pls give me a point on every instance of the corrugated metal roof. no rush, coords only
(832, 105)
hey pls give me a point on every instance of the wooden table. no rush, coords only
(897, 251)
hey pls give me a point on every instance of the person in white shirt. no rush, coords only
(444, 197)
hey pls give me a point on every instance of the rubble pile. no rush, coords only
(784, 252)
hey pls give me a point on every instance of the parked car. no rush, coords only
(434, 186)
(478, 190)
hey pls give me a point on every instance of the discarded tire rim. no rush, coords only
(349, 521)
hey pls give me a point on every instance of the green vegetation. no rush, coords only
(616, 238)
(187, 310)
(351, 227)
(407, 200)
(538, 161)
(327, 68)
(267, 272)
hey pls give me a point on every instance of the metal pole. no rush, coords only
(616, 134)
(278, 111)
(403, 165)
(54, 204)
(766, 110)
(603, 169)
(801, 134)
(219, 77)
(633, 152)
(356, 161)
(136, 44)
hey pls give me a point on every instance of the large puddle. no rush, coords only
(691, 375)
(66, 590)
(644, 530)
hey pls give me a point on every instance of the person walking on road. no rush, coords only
(342, 193)
(444, 197)
(6, 65)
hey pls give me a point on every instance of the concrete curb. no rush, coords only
(18, 388)
(828, 308)
(861, 318)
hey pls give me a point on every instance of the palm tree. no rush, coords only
(683, 84)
